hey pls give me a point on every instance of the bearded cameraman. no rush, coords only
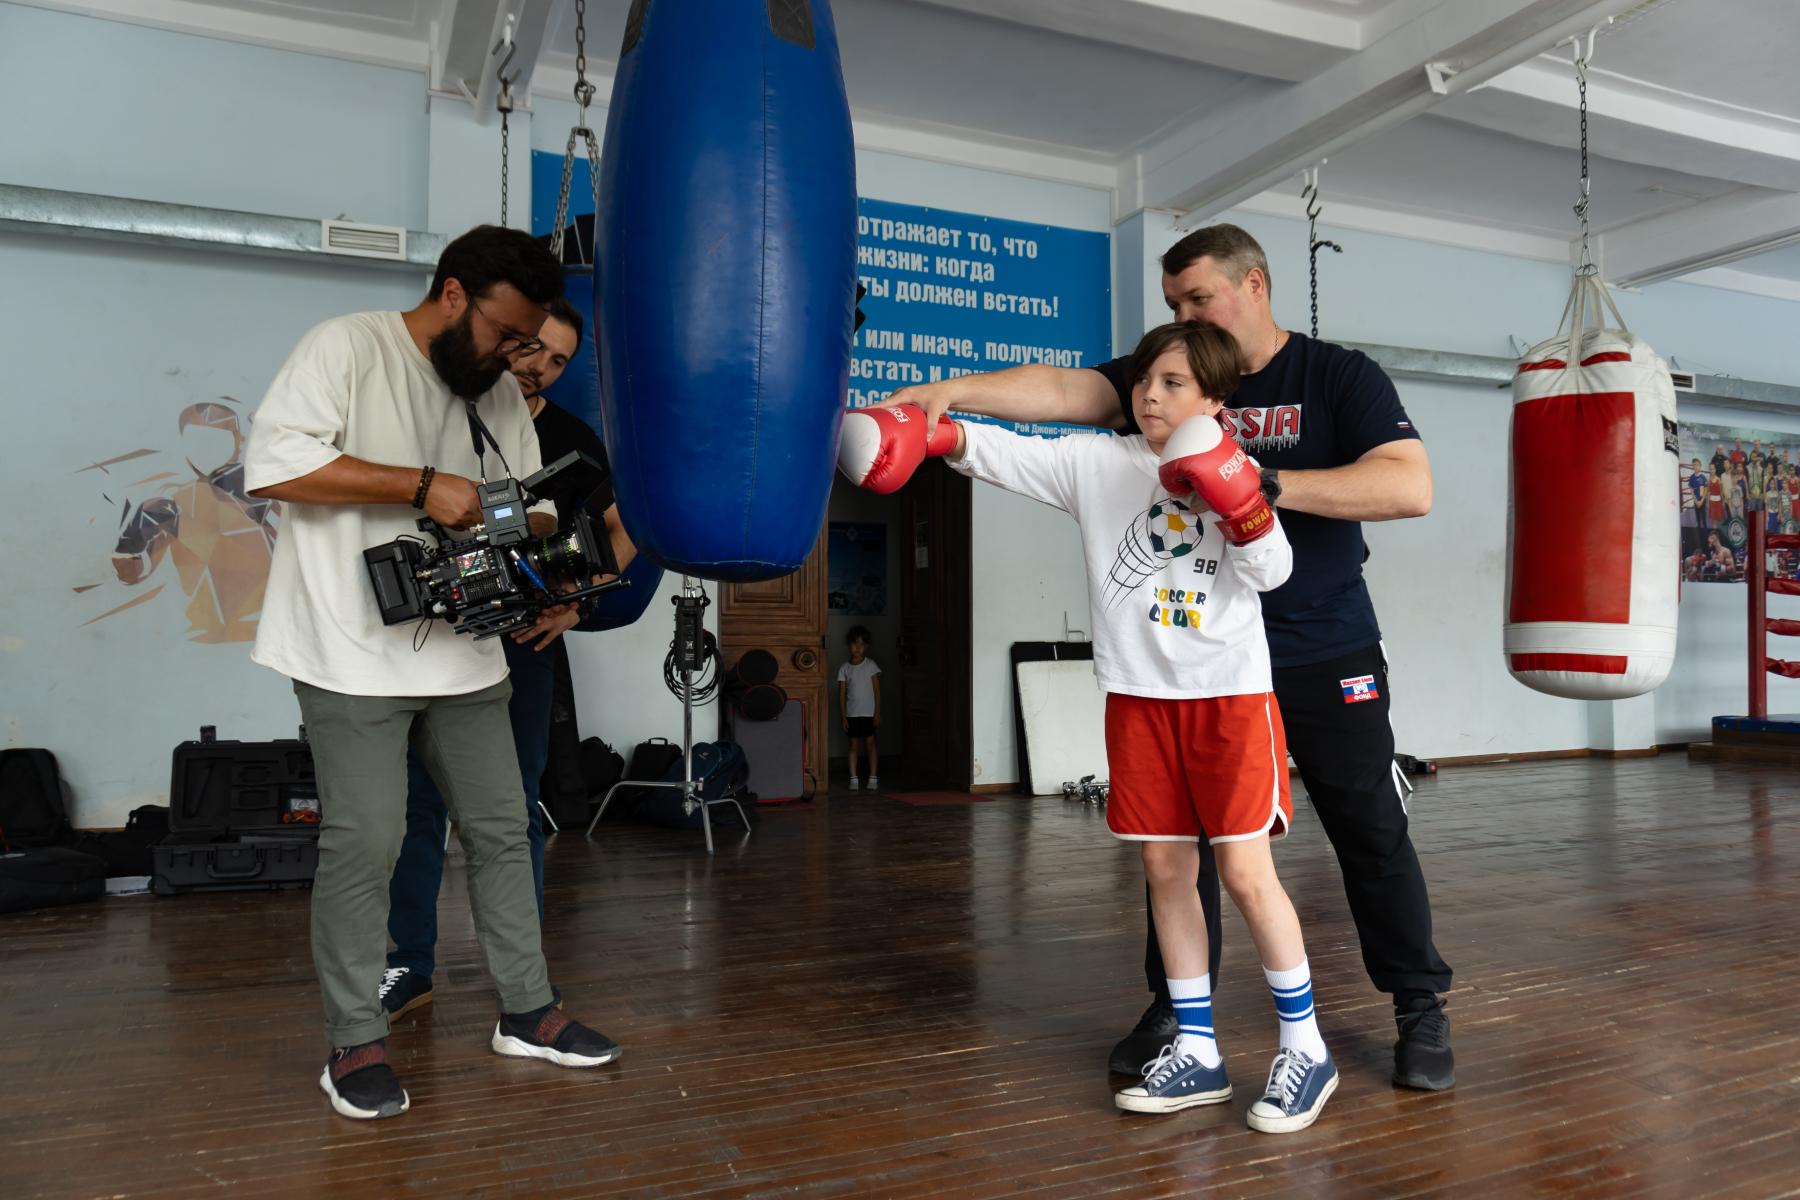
(364, 428)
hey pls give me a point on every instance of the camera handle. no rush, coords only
(690, 609)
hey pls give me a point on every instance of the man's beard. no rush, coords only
(464, 371)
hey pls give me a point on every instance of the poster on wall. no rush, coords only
(1730, 477)
(954, 294)
(185, 519)
(857, 558)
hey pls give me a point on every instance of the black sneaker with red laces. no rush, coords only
(361, 1084)
(550, 1034)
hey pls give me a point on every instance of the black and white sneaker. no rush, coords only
(1154, 1030)
(402, 990)
(1422, 1056)
(551, 1035)
(361, 1084)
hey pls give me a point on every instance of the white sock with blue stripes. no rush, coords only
(1192, 999)
(1294, 1005)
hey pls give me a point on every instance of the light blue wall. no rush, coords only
(1398, 292)
(120, 110)
(107, 343)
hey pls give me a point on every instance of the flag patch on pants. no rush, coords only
(1359, 689)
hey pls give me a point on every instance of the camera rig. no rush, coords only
(497, 576)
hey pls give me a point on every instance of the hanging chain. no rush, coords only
(504, 102)
(1310, 195)
(584, 91)
(1585, 265)
(505, 165)
(584, 96)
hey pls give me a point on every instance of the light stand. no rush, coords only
(689, 654)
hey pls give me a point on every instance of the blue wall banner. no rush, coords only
(953, 294)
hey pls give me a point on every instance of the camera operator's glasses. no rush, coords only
(510, 343)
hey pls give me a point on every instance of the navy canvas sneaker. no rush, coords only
(1173, 1082)
(1296, 1094)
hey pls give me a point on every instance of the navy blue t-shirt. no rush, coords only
(1314, 406)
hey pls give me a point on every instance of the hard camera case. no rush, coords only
(242, 815)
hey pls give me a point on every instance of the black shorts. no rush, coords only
(861, 727)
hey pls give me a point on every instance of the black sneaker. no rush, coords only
(361, 1084)
(551, 1035)
(402, 990)
(1154, 1030)
(1422, 1057)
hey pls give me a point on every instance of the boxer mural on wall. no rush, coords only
(218, 538)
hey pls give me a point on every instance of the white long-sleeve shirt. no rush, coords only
(1175, 608)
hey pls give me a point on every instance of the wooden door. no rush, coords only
(786, 617)
(935, 644)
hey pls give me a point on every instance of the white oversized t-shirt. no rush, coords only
(1175, 607)
(359, 385)
(858, 679)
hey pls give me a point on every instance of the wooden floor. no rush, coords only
(877, 999)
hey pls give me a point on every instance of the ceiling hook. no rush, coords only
(1586, 58)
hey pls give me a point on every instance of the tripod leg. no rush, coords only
(604, 801)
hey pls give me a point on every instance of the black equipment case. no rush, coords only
(242, 816)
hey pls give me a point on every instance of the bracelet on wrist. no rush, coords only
(425, 478)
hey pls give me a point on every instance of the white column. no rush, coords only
(1138, 244)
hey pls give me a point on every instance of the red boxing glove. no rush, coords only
(1199, 458)
(880, 448)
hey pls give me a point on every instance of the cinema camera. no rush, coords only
(496, 577)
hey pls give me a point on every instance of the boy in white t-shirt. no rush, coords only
(1178, 541)
(859, 702)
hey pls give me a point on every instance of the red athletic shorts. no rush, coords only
(1185, 769)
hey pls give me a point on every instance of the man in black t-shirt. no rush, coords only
(535, 658)
(1336, 449)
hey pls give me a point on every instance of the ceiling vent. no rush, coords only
(363, 241)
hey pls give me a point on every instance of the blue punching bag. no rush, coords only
(578, 391)
(727, 280)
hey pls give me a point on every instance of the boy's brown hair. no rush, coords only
(1212, 355)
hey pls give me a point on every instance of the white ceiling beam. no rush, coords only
(1635, 121)
(258, 28)
(437, 50)
(1704, 235)
(1246, 148)
(462, 39)
(1259, 37)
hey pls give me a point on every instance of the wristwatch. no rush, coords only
(1271, 485)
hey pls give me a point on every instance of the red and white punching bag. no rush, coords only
(1594, 510)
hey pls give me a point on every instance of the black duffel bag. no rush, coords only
(49, 876)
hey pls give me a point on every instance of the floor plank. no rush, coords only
(875, 998)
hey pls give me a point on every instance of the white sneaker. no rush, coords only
(853, 784)
(874, 783)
